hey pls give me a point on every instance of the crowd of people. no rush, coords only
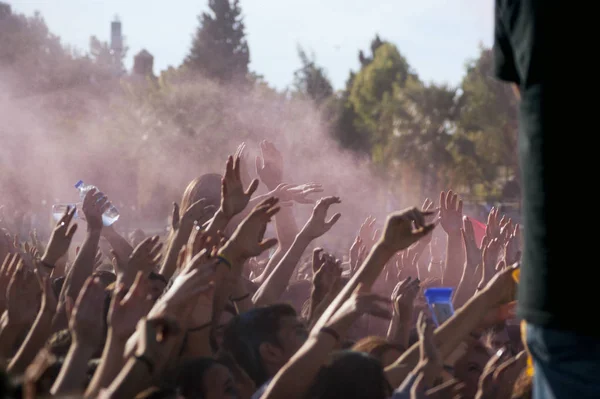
(216, 310)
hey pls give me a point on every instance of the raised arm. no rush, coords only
(315, 227)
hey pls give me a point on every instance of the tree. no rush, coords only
(219, 49)
(310, 80)
(424, 122)
(489, 120)
(387, 73)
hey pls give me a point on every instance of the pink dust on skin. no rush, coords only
(143, 153)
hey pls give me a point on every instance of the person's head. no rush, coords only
(468, 369)
(205, 378)
(348, 375)
(263, 339)
(207, 186)
(379, 348)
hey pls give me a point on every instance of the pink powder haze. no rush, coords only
(143, 152)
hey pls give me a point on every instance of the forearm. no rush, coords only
(448, 336)
(367, 275)
(274, 286)
(83, 266)
(455, 259)
(466, 288)
(178, 240)
(224, 280)
(118, 243)
(286, 227)
(241, 298)
(273, 261)
(35, 340)
(111, 362)
(131, 380)
(218, 223)
(399, 330)
(71, 378)
(9, 333)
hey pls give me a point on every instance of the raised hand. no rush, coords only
(428, 350)
(239, 153)
(451, 208)
(490, 254)
(22, 297)
(428, 206)
(367, 233)
(407, 263)
(61, 238)
(197, 214)
(299, 194)
(145, 257)
(404, 295)
(404, 228)
(328, 274)
(248, 239)
(316, 225)
(129, 306)
(9, 267)
(196, 277)
(269, 168)
(233, 197)
(493, 227)
(86, 316)
(473, 253)
(94, 205)
(354, 252)
(157, 337)
(512, 249)
(317, 259)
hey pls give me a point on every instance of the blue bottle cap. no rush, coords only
(79, 184)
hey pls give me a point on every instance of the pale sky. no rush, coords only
(436, 36)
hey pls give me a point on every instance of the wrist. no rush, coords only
(230, 254)
(305, 237)
(82, 347)
(49, 259)
(94, 230)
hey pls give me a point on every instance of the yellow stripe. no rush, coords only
(529, 359)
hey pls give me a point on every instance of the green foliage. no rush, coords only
(371, 88)
(219, 50)
(489, 120)
(311, 81)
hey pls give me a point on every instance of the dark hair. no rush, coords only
(244, 334)
(189, 377)
(350, 375)
(157, 276)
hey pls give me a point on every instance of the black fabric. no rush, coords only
(540, 45)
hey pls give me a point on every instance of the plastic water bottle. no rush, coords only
(58, 210)
(110, 216)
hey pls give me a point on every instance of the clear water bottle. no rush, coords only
(58, 210)
(110, 216)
